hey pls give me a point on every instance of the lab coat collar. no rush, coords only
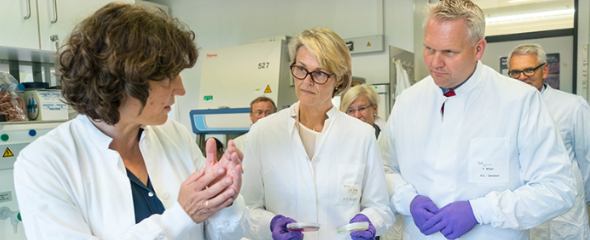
(294, 132)
(294, 111)
(547, 92)
(474, 80)
(102, 140)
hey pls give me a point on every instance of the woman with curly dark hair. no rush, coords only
(122, 169)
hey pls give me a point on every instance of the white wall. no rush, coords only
(224, 23)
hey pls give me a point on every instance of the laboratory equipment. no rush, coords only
(365, 44)
(46, 105)
(219, 121)
(303, 227)
(234, 76)
(13, 216)
(384, 106)
(14, 136)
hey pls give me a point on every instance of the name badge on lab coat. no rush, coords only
(350, 193)
(489, 160)
(349, 180)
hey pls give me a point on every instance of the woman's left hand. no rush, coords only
(200, 197)
(231, 161)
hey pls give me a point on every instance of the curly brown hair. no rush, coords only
(113, 53)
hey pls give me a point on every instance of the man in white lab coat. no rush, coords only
(260, 107)
(528, 63)
(468, 152)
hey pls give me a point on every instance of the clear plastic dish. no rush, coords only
(303, 227)
(353, 227)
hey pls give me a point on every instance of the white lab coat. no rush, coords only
(70, 185)
(572, 118)
(496, 123)
(241, 142)
(402, 79)
(345, 176)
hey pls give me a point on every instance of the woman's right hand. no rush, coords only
(231, 161)
(201, 196)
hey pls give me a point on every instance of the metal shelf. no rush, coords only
(27, 55)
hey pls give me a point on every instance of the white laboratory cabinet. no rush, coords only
(19, 24)
(234, 76)
(14, 136)
(41, 24)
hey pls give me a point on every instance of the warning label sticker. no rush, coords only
(8, 153)
(267, 90)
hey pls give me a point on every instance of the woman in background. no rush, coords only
(122, 169)
(361, 101)
(311, 162)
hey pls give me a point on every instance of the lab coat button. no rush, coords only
(315, 159)
(150, 194)
(161, 236)
(165, 195)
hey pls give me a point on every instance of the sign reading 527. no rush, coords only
(263, 65)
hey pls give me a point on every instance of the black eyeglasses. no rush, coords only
(318, 77)
(527, 72)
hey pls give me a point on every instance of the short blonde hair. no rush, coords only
(359, 90)
(331, 52)
(459, 9)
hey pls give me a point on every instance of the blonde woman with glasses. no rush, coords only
(311, 162)
(361, 101)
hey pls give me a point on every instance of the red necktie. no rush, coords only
(448, 94)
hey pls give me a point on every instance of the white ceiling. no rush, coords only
(491, 4)
(507, 8)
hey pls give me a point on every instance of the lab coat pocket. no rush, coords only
(350, 180)
(489, 160)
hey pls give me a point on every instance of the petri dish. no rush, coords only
(353, 227)
(303, 227)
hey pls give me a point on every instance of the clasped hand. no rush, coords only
(214, 187)
(453, 220)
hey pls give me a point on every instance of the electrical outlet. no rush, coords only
(5, 196)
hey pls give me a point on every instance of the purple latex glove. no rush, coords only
(452, 221)
(422, 209)
(278, 227)
(362, 235)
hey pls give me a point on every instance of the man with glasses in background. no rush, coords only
(571, 113)
(259, 108)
